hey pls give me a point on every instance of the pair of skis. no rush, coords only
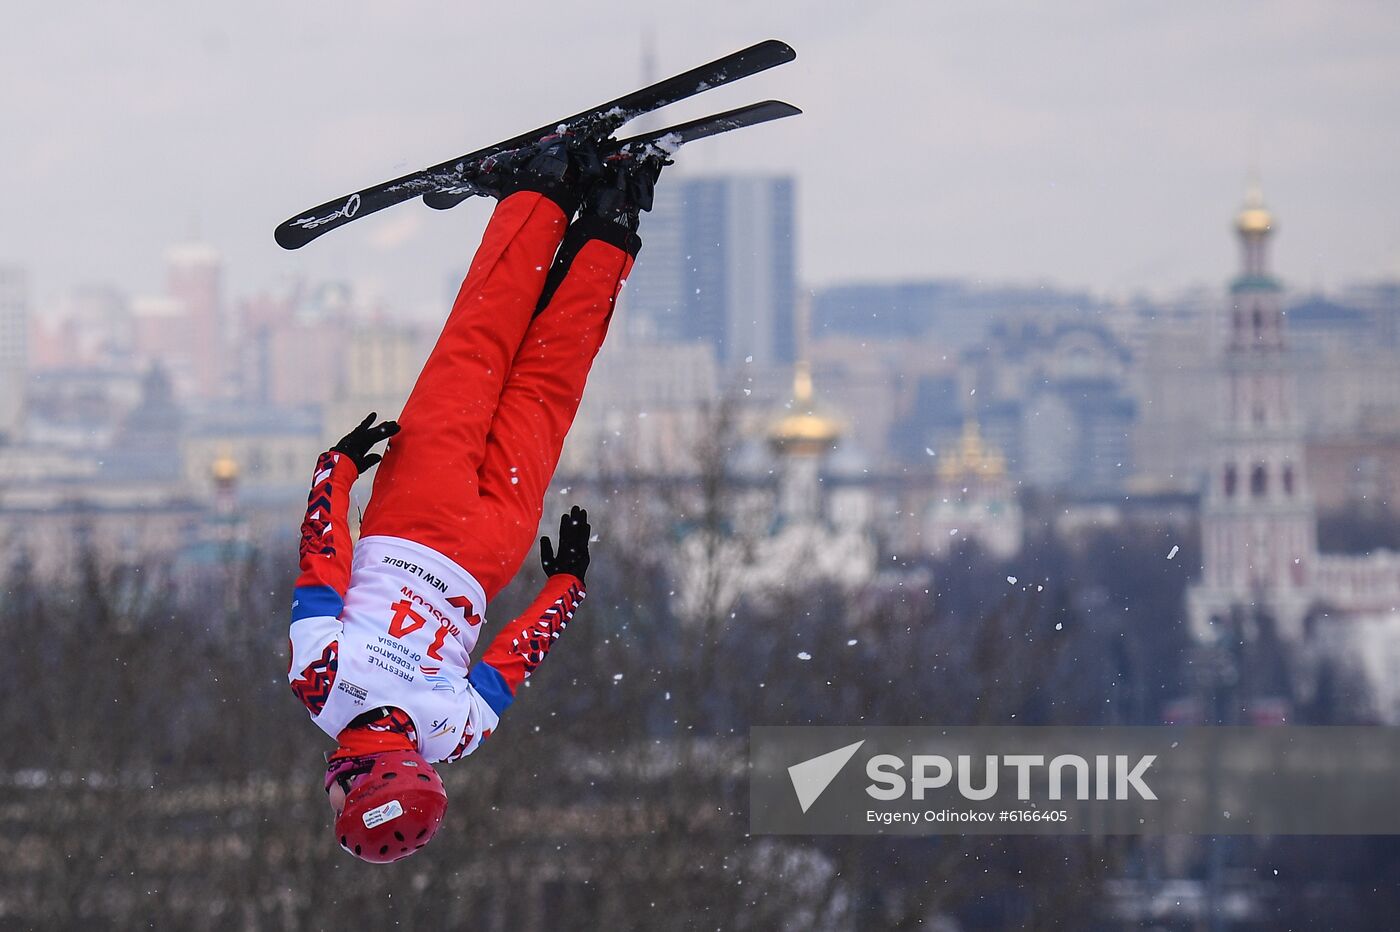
(449, 183)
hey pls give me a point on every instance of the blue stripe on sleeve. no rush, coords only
(491, 686)
(315, 602)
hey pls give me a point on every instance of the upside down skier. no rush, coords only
(381, 641)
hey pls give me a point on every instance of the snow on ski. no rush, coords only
(667, 140)
(671, 138)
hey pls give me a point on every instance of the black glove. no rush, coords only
(573, 546)
(357, 443)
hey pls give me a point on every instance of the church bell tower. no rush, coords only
(1258, 525)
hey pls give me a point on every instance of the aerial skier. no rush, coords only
(381, 641)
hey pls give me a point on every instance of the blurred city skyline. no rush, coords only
(1086, 146)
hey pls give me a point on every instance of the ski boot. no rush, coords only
(610, 207)
(627, 186)
(559, 166)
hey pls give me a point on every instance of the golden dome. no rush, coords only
(224, 468)
(804, 431)
(972, 458)
(1254, 219)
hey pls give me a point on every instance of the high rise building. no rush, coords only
(720, 268)
(14, 348)
(194, 274)
(295, 343)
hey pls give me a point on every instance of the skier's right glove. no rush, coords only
(358, 442)
(573, 546)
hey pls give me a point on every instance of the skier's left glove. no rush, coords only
(358, 442)
(573, 546)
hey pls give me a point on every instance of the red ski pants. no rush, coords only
(483, 428)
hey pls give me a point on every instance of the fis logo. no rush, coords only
(442, 728)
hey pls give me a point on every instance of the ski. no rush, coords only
(666, 141)
(598, 121)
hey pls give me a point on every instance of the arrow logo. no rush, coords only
(811, 777)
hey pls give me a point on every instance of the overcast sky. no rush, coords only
(1099, 144)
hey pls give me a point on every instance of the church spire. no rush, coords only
(805, 430)
(1255, 223)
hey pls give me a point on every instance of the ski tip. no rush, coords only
(289, 237)
(777, 47)
(781, 108)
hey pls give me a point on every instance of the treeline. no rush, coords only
(158, 773)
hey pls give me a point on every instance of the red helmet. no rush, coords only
(393, 806)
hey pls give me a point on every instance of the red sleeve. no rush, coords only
(522, 645)
(325, 539)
